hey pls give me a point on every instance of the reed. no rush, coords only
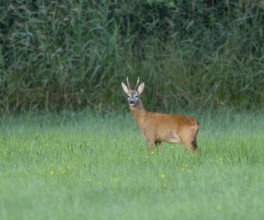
(73, 54)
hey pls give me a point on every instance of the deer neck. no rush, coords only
(138, 112)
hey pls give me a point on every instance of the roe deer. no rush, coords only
(157, 127)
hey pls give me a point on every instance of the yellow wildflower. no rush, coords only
(218, 207)
(114, 180)
(88, 180)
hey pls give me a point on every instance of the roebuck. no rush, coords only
(157, 127)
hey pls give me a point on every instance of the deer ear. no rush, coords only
(141, 88)
(125, 88)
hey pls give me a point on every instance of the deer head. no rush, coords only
(133, 96)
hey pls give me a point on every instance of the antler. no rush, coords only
(137, 83)
(128, 84)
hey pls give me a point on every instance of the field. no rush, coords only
(88, 166)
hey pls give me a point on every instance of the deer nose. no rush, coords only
(132, 102)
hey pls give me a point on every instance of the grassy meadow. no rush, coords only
(88, 166)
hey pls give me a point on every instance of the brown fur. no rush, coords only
(170, 128)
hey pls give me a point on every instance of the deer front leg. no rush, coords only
(149, 147)
(159, 145)
(150, 143)
(150, 139)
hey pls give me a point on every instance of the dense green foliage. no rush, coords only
(74, 54)
(61, 167)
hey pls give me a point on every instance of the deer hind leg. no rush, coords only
(194, 142)
(194, 145)
(189, 139)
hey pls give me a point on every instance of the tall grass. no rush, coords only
(61, 54)
(84, 166)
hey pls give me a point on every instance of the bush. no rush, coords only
(74, 54)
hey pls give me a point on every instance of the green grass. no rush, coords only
(88, 166)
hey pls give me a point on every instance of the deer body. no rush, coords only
(157, 127)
